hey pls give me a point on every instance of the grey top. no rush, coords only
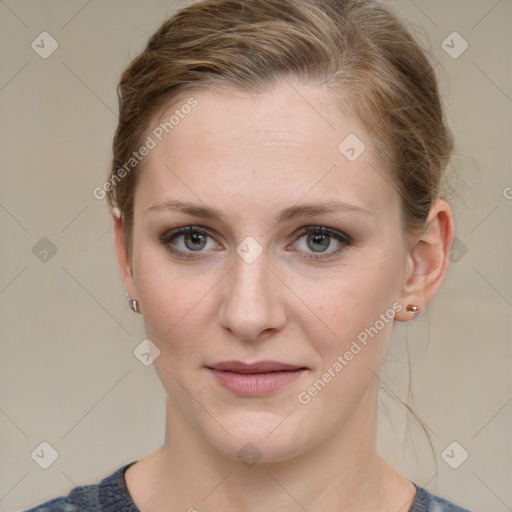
(111, 495)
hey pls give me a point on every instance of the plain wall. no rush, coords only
(68, 375)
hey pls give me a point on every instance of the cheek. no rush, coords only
(172, 300)
(358, 310)
(355, 303)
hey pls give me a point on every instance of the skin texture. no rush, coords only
(252, 156)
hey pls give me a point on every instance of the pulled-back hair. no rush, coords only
(358, 50)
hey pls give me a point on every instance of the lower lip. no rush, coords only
(255, 384)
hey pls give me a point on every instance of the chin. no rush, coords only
(260, 437)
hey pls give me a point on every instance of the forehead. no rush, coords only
(282, 144)
(289, 113)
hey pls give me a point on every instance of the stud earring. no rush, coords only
(133, 304)
(412, 309)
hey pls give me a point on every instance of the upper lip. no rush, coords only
(257, 367)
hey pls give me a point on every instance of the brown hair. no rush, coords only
(359, 50)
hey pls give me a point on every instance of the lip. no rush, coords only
(255, 379)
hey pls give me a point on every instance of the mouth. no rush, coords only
(255, 379)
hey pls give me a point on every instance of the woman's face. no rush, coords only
(247, 175)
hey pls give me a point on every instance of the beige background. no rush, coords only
(68, 375)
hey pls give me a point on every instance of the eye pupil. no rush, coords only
(197, 239)
(321, 242)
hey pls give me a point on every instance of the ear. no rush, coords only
(124, 261)
(428, 260)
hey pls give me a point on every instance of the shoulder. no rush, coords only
(83, 498)
(428, 502)
(111, 491)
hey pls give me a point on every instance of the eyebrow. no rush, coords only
(287, 214)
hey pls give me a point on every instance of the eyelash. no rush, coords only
(170, 236)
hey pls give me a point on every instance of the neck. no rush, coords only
(342, 473)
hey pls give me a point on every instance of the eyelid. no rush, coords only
(170, 234)
(324, 230)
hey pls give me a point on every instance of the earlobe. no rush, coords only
(427, 261)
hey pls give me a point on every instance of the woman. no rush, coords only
(276, 206)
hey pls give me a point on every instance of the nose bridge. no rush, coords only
(251, 302)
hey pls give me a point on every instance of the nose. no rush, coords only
(252, 306)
